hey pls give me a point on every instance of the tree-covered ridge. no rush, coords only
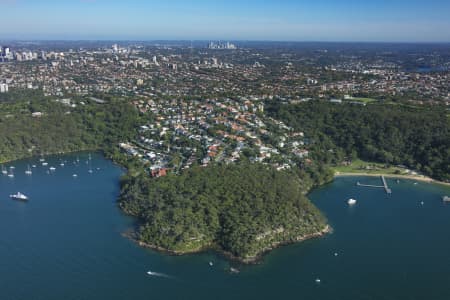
(244, 209)
(416, 137)
(62, 128)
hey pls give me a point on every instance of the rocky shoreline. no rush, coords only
(247, 260)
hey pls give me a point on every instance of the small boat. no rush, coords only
(12, 167)
(45, 164)
(351, 202)
(74, 175)
(422, 203)
(19, 196)
(151, 273)
(33, 166)
(234, 271)
(4, 172)
(52, 168)
(446, 199)
(211, 264)
(90, 164)
(42, 159)
(336, 254)
(318, 280)
(28, 171)
(61, 164)
(11, 174)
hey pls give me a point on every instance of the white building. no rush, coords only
(3, 88)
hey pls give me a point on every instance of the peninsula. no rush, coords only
(243, 210)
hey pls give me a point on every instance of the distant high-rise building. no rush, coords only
(221, 46)
(155, 60)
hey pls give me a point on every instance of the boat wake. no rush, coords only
(156, 274)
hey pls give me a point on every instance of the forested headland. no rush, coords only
(242, 209)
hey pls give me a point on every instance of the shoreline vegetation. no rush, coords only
(244, 209)
(248, 260)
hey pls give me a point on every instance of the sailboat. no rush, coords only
(28, 171)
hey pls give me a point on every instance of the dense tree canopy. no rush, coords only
(244, 209)
(397, 134)
(62, 128)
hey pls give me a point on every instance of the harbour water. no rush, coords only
(67, 242)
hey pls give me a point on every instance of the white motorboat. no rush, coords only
(351, 202)
(19, 196)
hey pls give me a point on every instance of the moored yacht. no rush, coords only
(28, 171)
(19, 196)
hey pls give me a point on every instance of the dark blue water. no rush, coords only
(67, 243)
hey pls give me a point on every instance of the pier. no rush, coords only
(384, 186)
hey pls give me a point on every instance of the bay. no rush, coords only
(67, 243)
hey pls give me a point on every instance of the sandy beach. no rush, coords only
(410, 177)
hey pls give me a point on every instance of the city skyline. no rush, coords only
(323, 20)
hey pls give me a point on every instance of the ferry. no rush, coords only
(351, 202)
(19, 196)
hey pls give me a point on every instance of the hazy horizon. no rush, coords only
(397, 21)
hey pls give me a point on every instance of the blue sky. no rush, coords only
(281, 20)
